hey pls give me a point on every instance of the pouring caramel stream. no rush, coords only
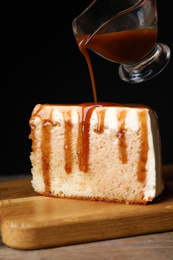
(82, 47)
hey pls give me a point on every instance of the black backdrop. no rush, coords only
(42, 64)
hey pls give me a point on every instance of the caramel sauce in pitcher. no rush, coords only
(124, 47)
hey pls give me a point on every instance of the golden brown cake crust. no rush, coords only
(137, 202)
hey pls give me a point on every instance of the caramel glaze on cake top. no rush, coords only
(84, 116)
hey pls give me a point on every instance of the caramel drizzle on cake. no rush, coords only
(68, 141)
(46, 117)
(46, 151)
(122, 137)
(83, 131)
(83, 138)
(143, 155)
(101, 120)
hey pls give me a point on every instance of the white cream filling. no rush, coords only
(154, 184)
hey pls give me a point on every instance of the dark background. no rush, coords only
(42, 64)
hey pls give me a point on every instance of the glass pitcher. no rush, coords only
(124, 32)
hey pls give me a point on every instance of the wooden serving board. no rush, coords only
(31, 221)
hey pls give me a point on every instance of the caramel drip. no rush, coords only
(121, 136)
(83, 137)
(101, 119)
(46, 150)
(80, 144)
(68, 141)
(143, 156)
(84, 129)
(45, 114)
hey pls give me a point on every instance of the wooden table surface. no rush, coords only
(153, 246)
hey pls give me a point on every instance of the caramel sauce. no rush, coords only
(101, 120)
(45, 152)
(45, 116)
(68, 141)
(83, 136)
(143, 156)
(84, 129)
(122, 137)
(126, 46)
(81, 44)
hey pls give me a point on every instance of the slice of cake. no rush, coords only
(98, 152)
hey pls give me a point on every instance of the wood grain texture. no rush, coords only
(153, 246)
(30, 221)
